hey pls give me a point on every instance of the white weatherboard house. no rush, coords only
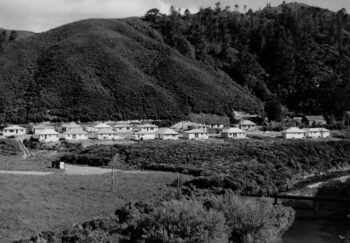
(102, 126)
(123, 128)
(188, 125)
(76, 134)
(106, 134)
(247, 125)
(142, 135)
(48, 135)
(196, 125)
(146, 128)
(40, 128)
(68, 126)
(167, 134)
(317, 133)
(14, 131)
(196, 134)
(294, 133)
(233, 132)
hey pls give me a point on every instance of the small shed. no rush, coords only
(167, 134)
(48, 135)
(294, 133)
(14, 131)
(196, 134)
(233, 132)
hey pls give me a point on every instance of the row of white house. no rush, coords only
(297, 133)
(72, 131)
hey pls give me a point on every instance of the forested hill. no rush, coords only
(288, 58)
(295, 55)
(103, 69)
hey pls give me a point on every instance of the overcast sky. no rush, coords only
(42, 15)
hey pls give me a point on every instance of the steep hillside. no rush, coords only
(110, 69)
(292, 55)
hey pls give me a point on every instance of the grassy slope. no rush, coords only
(30, 204)
(99, 69)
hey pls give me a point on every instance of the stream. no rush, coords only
(331, 224)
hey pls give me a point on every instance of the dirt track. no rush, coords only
(37, 173)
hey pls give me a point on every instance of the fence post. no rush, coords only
(315, 207)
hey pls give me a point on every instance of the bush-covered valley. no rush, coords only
(242, 166)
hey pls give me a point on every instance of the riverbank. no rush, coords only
(333, 226)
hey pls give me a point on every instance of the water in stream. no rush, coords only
(330, 225)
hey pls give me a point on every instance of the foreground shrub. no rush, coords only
(252, 220)
(183, 221)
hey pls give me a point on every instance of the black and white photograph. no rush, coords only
(174, 121)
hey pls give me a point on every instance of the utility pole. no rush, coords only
(113, 177)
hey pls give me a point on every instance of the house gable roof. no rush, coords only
(233, 130)
(70, 125)
(195, 131)
(15, 127)
(102, 125)
(106, 131)
(294, 130)
(48, 132)
(315, 118)
(247, 123)
(321, 129)
(167, 131)
(75, 132)
(146, 125)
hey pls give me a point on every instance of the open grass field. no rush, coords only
(30, 204)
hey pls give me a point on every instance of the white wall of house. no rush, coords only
(46, 138)
(76, 136)
(105, 136)
(147, 129)
(314, 134)
(325, 134)
(168, 136)
(233, 135)
(299, 135)
(203, 135)
(123, 129)
(14, 132)
(247, 127)
(144, 136)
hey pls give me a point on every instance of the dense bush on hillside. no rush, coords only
(110, 69)
(243, 166)
(293, 55)
(220, 219)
